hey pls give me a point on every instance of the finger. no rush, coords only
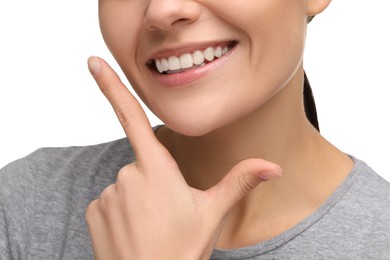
(240, 180)
(128, 110)
(97, 229)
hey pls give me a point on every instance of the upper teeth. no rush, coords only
(188, 60)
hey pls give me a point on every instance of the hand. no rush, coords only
(151, 212)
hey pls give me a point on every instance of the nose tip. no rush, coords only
(167, 25)
(167, 14)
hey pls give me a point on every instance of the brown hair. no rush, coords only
(308, 98)
(309, 103)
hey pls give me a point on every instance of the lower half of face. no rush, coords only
(262, 45)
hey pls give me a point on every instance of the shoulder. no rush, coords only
(367, 198)
(48, 164)
(361, 218)
(43, 197)
(368, 201)
(58, 172)
(354, 223)
(369, 188)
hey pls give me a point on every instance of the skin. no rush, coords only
(153, 24)
(150, 213)
(221, 132)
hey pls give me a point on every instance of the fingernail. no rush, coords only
(94, 65)
(267, 175)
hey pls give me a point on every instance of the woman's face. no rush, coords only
(255, 48)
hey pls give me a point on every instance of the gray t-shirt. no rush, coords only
(43, 198)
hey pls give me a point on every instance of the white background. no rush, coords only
(48, 98)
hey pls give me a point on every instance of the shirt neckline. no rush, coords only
(288, 235)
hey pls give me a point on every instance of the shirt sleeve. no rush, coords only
(16, 208)
(5, 252)
(4, 243)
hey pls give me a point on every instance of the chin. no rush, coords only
(200, 124)
(192, 129)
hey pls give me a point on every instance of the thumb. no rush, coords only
(241, 179)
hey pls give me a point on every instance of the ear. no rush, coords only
(315, 7)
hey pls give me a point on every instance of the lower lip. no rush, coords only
(188, 77)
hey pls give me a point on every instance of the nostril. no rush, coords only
(181, 20)
(164, 15)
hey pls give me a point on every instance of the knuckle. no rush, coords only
(108, 191)
(124, 173)
(245, 184)
(91, 210)
(125, 115)
(106, 85)
(106, 197)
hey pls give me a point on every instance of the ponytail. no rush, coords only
(309, 104)
(308, 98)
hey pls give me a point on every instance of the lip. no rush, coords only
(187, 48)
(188, 77)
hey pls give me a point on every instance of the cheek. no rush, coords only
(277, 44)
(274, 30)
(120, 24)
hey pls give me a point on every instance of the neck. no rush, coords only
(277, 131)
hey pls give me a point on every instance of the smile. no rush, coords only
(183, 67)
(188, 61)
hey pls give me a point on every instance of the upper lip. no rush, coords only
(180, 49)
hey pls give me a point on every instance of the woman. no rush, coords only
(227, 81)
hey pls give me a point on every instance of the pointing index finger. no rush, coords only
(128, 110)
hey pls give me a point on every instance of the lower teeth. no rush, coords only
(181, 70)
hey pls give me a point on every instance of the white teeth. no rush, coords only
(165, 64)
(159, 66)
(198, 57)
(225, 50)
(218, 52)
(187, 60)
(209, 54)
(174, 63)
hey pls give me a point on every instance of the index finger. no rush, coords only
(128, 110)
